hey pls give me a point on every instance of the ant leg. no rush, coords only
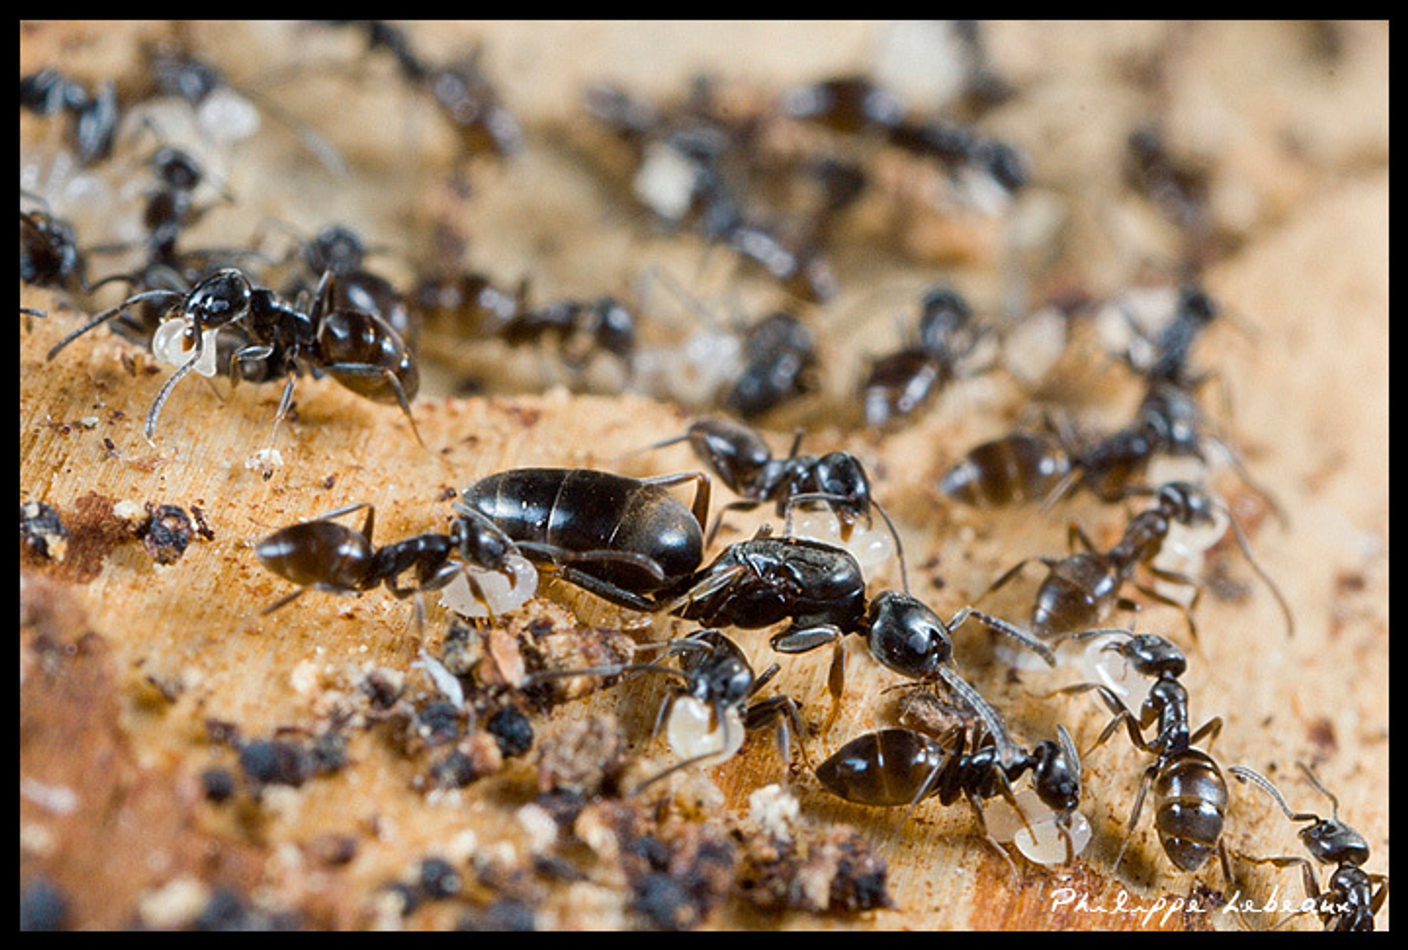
(1307, 870)
(603, 589)
(702, 489)
(1074, 533)
(388, 377)
(1175, 577)
(1212, 729)
(1005, 628)
(107, 315)
(987, 835)
(781, 710)
(1144, 784)
(285, 403)
(558, 556)
(725, 741)
(796, 639)
(1012, 572)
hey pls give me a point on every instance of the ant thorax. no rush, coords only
(174, 343)
(1045, 843)
(499, 592)
(693, 731)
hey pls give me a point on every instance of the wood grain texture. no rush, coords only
(125, 662)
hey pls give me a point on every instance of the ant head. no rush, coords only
(615, 327)
(221, 298)
(1008, 166)
(1151, 655)
(942, 312)
(1331, 841)
(841, 475)
(1186, 503)
(1056, 776)
(906, 636)
(1195, 302)
(176, 168)
(478, 540)
(335, 248)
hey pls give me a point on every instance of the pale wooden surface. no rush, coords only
(1302, 158)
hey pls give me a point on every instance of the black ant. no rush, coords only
(1164, 358)
(902, 767)
(779, 354)
(93, 116)
(1010, 470)
(683, 177)
(1350, 900)
(622, 539)
(49, 254)
(717, 683)
(324, 555)
(472, 304)
(899, 383)
(460, 90)
(1080, 589)
(821, 590)
(354, 347)
(340, 250)
(855, 105)
(1190, 794)
(743, 462)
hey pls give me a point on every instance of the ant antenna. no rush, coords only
(1245, 774)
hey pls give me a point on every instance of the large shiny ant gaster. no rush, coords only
(716, 679)
(743, 461)
(779, 353)
(622, 539)
(354, 347)
(902, 767)
(1350, 899)
(1190, 794)
(899, 383)
(1080, 590)
(324, 555)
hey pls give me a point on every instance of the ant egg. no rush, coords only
(504, 591)
(870, 546)
(692, 731)
(1110, 669)
(170, 344)
(1045, 843)
(227, 117)
(666, 180)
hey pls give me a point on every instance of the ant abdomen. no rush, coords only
(885, 768)
(314, 553)
(365, 355)
(1190, 806)
(1013, 470)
